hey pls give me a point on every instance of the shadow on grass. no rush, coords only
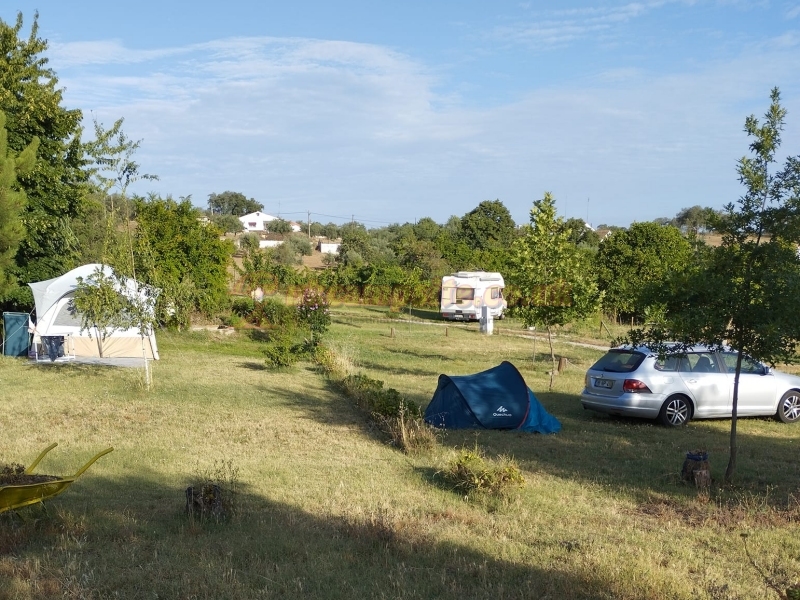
(397, 370)
(340, 321)
(130, 537)
(637, 458)
(254, 366)
(417, 354)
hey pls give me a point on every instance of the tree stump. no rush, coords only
(204, 501)
(696, 469)
(562, 364)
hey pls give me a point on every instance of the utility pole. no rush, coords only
(309, 224)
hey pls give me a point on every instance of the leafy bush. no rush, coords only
(313, 310)
(287, 346)
(471, 473)
(243, 306)
(273, 312)
(370, 395)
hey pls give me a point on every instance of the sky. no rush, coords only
(393, 111)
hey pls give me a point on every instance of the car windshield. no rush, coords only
(619, 361)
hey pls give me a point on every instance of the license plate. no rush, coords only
(603, 383)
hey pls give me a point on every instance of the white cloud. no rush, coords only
(341, 128)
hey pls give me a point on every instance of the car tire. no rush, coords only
(675, 412)
(789, 407)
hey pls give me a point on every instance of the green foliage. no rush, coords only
(745, 292)
(176, 253)
(280, 349)
(232, 203)
(489, 226)
(629, 260)
(471, 473)
(300, 244)
(243, 306)
(279, 226)
(12, 203)
(55, 187)
(370, 395)
(227, 223)
(313, 311)
(272, 312)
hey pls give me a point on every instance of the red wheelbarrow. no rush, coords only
(14, 496)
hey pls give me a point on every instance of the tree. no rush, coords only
(227, 223)
(279, 226)
(745, 293)
(488, 226)
(56, 186)
(551, 273)
(232, 203)
(12, 202)
(694, 220)
(177, 254)
(628, 260)
(581, 234)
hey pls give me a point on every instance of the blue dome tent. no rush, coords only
(493, 399)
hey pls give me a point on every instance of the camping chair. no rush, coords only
(53, 348)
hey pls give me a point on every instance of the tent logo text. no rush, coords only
(501, 411)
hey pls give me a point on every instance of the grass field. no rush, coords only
(327, 508)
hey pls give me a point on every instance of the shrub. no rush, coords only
(243, 306)
(313, 310)
(273, 312)
(471, 473)
(370, 395)
(410, 434)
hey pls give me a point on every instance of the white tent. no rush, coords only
(56, 316)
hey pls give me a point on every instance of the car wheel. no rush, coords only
(789, 407)
(675, 412)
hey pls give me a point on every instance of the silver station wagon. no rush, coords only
(697, 384)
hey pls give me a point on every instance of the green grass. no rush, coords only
(329, 509)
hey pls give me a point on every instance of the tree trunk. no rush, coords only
(729, 472)
(552, 357)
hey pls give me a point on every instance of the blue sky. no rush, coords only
(625, 111)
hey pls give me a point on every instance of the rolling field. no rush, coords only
(327, 508)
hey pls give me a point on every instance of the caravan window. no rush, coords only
(496, 293)
(464, 294)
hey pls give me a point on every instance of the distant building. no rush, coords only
(256, 221)
(326, 246)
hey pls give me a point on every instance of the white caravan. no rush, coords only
(465, 292)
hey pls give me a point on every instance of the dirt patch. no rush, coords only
(14, 474)
(728, 513)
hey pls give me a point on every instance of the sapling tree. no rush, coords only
(745, 293)
(105, 299)
(551, 274)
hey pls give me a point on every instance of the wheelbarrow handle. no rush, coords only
(39, 458)
(91, 461)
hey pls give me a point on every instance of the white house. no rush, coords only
(256, 221)
(328, 247)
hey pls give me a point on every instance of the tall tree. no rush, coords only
(12, 202)
(489, 226)
(551, 274)
(746, 292)
(56, 186)
(232, 203)
(630, 259)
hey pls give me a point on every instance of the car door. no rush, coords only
(757, 389)
(708, 384)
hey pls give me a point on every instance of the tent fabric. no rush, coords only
(55, 316)
(497, 398)
(15, 334)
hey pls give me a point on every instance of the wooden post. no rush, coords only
(562, 363)
(392, 333)
(445, 331)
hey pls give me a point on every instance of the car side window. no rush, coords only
(670, 363)
(698, 362)
(748, 364)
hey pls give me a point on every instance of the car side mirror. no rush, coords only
(767, 370)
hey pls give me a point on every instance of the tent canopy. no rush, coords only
(494, 399)
(56, 316)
